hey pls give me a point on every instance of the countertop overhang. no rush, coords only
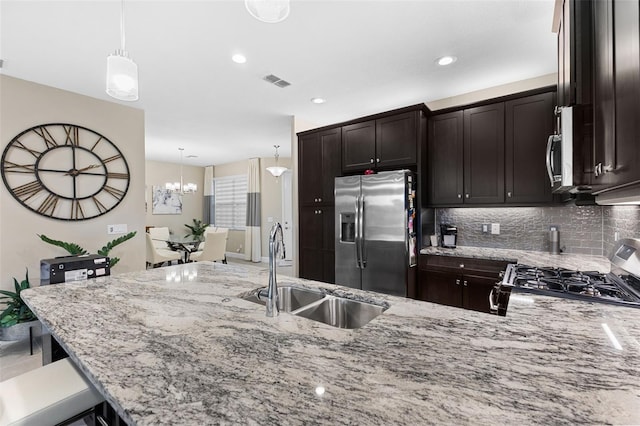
(177, 345)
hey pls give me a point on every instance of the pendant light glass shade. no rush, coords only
(122, 72)
(270, 11)
(122, 77)
(276, 170)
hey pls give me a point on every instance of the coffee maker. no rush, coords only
(448, 236)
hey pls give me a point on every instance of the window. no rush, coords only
(230, 202)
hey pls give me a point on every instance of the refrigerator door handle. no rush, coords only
(357, 236)
(363, 255)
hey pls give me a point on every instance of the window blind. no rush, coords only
(230, 201)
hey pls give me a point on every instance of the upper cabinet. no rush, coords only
(616, 97)
(385, 143)
(528, 123)
(484, 155)
(319, 164)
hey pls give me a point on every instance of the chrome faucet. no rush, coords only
(275, 246)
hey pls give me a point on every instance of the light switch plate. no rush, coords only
(120, 228)
(495, 228)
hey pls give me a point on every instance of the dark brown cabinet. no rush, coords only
(445, 158)
(493, 153)
(317, 243)
(616, 93)
(528, 124)
(385, 143)
(484, 154)
(319, 164)
(458, 281)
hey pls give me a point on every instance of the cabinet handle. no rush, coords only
(457, 282)
(509, 194)
(319, 200)
(466, 195)
(459, 195)
(462, 265)
(371, 160)
(377, 160)
(598, 169)
(464, 283)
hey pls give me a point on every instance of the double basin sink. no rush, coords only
(317, 306)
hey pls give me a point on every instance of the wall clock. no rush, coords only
(64, 171)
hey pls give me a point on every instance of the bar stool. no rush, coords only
(47, 395)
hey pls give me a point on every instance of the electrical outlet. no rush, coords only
(485, 228)
(616, 236)
(117, 229)
(495, 229)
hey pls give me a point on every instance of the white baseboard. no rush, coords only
(235, 255)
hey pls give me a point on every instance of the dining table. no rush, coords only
(184, 244)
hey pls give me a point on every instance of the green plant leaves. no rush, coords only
(197, 229)
(75, 249)
(16, 310)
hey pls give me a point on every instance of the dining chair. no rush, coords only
(159, 236)
(213, 228)
(215, 248)
(158, 256)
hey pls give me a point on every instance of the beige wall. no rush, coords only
(494, 92)
(24, 104)
(159, 173)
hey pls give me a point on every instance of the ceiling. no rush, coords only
(363, 57)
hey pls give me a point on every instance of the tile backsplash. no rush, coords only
(583, 229)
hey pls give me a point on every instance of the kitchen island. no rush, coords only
(178, 346)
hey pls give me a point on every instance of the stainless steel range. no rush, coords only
(621, 286)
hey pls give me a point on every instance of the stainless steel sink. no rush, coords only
(289, 298)
(341, 313)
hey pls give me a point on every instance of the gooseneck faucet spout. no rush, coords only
(276, 246)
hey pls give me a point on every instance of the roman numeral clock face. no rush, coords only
(65, 172)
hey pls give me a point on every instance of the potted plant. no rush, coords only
(197, 229)
(16, 319)
(75, 249)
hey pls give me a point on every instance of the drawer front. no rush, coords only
(485, 267)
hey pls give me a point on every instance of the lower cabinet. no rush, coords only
(317, 251)
(458, 281)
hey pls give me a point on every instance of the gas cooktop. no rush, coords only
(621, 286)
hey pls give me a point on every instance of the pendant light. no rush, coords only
(181, 187)
(270, 11)
(276, 170)
(122, 72)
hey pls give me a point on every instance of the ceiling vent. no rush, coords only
(273, 79)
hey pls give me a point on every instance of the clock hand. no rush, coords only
(76, 172)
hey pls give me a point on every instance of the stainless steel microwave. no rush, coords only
(560, 152)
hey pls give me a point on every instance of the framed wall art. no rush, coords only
(166, 201)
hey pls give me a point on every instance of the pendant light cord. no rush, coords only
(122, 39)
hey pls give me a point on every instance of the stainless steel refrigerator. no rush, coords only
(374, 234)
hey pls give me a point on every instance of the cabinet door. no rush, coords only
(476, 291)
(484, 154)
(396, 141)
(529, 122)
(563, 57)
(443, 288)
(359, 146)
(445, 159)
(604, 94)
(319, 162)
(626, 16)
(316, 243)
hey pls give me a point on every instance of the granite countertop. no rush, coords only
(533, 258)
(177, 346)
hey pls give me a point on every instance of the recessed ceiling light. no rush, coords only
(446, 60)
(239, 59)
(318, 100)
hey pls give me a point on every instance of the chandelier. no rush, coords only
(181, 187)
